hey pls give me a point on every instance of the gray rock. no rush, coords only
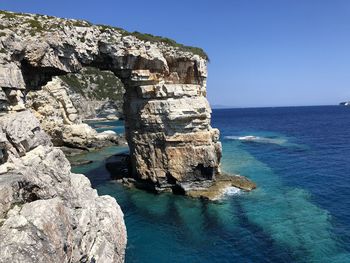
(11, 77)
(47, 213)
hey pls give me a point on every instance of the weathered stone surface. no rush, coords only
(23, 132)
(48, 214)
(218, 188)
(167, 116)
(11, 77)
(60, 118)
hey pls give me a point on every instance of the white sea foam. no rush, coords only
(229, 191)
(252, 138)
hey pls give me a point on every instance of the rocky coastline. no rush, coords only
(167, 115)
(47, 213)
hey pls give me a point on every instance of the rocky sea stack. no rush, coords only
(48, 214)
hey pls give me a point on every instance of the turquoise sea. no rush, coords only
(300, 212)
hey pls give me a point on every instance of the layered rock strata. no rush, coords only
(167, 115)
(48, 214)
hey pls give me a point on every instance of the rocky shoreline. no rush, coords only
(47, 213)
(119, 167)
(167, 115)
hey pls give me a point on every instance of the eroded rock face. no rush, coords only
(48, 214)
(61, 119)
(167, 115)
(170, 136)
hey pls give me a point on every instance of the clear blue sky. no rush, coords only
(263, 52)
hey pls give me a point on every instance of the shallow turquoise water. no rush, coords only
(101, 126)
(299, 213)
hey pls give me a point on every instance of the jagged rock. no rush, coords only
(11, 77)
(48, 214)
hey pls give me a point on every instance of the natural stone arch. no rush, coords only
(167, 115)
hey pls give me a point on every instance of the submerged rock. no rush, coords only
(119, 166)
(220, 186)
(80, 162)
(71, 151)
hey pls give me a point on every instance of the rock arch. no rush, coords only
(167, 115)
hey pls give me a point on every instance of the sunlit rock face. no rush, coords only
(169, 134)
(167, 115)
(47, 213)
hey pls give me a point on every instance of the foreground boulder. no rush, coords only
(47, 213)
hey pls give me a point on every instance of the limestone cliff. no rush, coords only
(167, 115)
(48, 214)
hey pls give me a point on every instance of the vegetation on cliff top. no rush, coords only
(37, 27)
(151, 38)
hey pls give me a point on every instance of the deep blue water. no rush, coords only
(300, 211)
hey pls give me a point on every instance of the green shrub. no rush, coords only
(81, 23)
(8, 15)
(35, 24)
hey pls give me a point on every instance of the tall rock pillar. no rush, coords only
(168, 128)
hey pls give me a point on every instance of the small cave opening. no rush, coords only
(36, 77)
(202, 172)
(3, 155)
